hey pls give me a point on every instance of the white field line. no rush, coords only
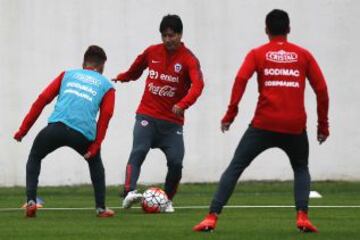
(187, 207)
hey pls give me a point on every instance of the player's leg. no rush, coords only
(251, 145)
(253, 142)
(47, 140)
(142, 139)
(297, 149)
(143, 134)
(80, 143)
(174, 149)
(97, 174)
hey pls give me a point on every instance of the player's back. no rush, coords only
(281, 69)
(80, 95)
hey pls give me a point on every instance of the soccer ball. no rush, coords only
(154, 200)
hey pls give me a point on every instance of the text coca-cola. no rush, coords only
(163, 91)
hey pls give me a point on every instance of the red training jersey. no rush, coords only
(281, 68)
(173, 78)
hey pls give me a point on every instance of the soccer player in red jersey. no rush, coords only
(280, 118)
(82, 93)
(173, 84)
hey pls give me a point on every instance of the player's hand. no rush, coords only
(87, 155)
(115, 80)
(321, 138)
(120, 78)
(225, 127)
(92, 151)
(177, 110)
(18, 136)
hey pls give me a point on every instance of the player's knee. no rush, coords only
(139, 152)
(175, 166)
(299, 166)
(36, 156)
(238, 166)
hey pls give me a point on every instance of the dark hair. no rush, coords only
(173, 22)
(277, 22)
(95, 54)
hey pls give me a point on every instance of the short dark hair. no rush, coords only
(95, 54)
(277, 22)
(173, 22)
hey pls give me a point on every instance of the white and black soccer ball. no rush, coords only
(154, 200)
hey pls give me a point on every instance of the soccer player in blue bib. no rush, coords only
(82, 93)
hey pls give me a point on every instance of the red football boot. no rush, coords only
(303, 223)
(208, 224)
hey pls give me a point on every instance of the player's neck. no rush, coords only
(93, 68)
(277, 37)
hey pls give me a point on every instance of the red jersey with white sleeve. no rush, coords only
(173, 78)
(281, 68)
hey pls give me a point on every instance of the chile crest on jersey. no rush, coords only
(177, 67)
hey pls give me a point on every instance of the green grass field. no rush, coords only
(234, 223)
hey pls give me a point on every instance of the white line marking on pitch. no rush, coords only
(187, 207)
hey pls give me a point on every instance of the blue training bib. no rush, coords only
(79, 99)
